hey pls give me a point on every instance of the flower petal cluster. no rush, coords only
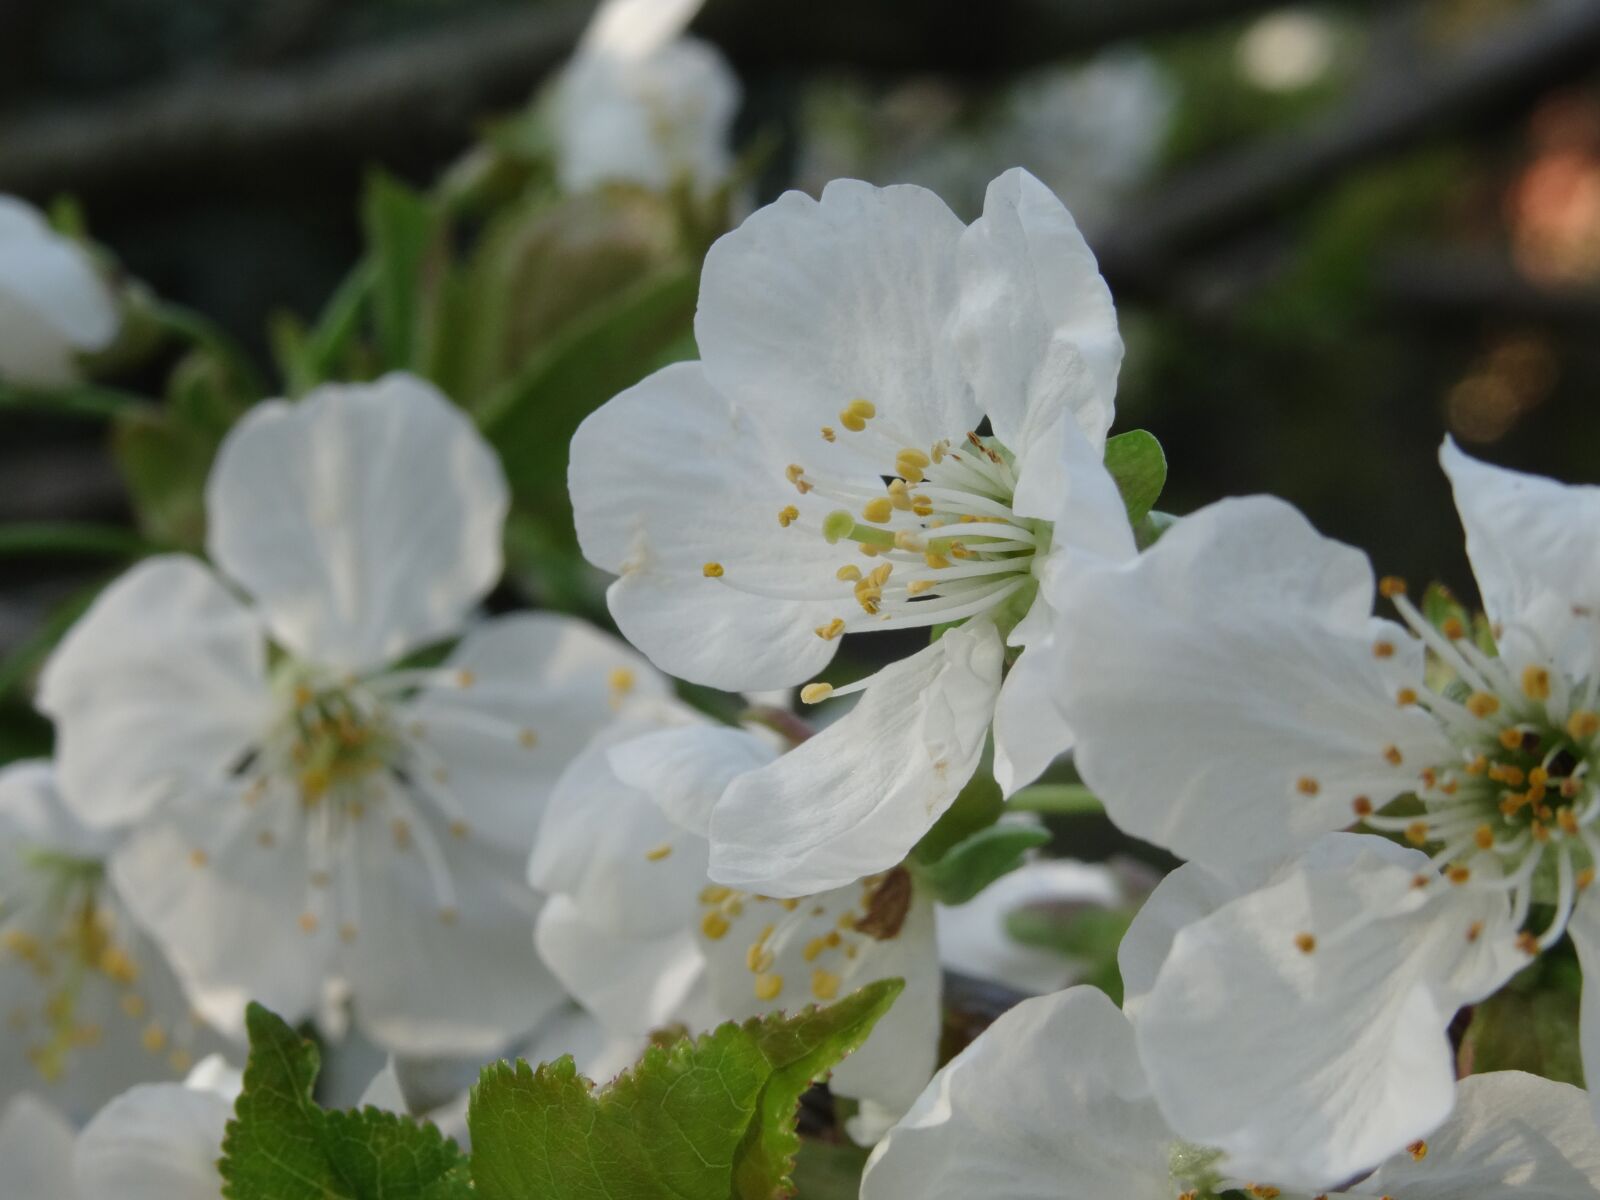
(897, 422)
(54, 305)
(313, 801)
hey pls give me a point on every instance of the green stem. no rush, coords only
(87, 400)
(1056, 799)
(49, 538)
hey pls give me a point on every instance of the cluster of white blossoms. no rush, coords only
(319, 768)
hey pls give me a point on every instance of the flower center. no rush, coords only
(1518, 810)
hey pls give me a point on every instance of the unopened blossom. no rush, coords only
(311, 812)
(642, 104)
(642, 938)
(1052, 1103)
(156, 1141)
(1296, 1015)
(897, 423)
(88, 1006)
(54, 305)
(1238, 698)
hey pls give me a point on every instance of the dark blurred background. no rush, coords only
(1336, 232)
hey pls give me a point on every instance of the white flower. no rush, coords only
(1051, 1103)
(973, 938)
(638, 933)
(157, 1141)
(1237, 698)
(1312, 1055)
(53, 303)
(641, 104)
(867, 336)
(88, 1004)
(309, 815)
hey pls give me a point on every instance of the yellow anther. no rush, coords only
(620, 680)
(1474, 931)
(899, 496)
(1305, 942)
(788, 515)
(1383, 649)
(939, 449)
(308, 922)
(1583, 724)
(878, 510)
(1453, 628)
(795, 474)
(133, 1005)
(1458, 875)
(1392, 755)
(957, 550)
(714, 925)
(828, 434)
(868, 598)
(935, 561)
(1568, 820)
(1406, 697)
(1391, 586)
(909, 539)
(400, 828)
(1362, 806)
(768, 987)
(1483, 704)
(313, 786)
(1536, 683)
(824, 984)
(527, 739)
(865, 409)
(1538, 777)
(714, 893)
(814, 949)
(1585, 878)
(813, 693)
(1528, 944)
(851, 422)
(266, 839)
(848, 573)
(197, 858)
(909, 469)
(1507, 774)
(758, 958)
(713, 570)
(789, 904)
(913, 456)
(921, 505)
(1307, 786)
(917, 586)
(831, 630)
(1264, 1191)
(153, 1038)
(1417, 833)
(1484, 836)
(879, 575)
(1477, 766)
(657, 853)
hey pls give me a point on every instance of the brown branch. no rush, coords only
(1492, 79)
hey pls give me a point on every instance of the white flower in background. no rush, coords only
(1237, 698)
(741, 500)
(157, 1141)
(1312, 1055)
(307, 813)
(973, 938)
(642, 104)
(1051, 1103)
(88, 1006)
(53, 303)
(641, 937)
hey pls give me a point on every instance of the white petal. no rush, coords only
(434, 973)
(815, 955)
(155, 692)
(36, 1145)
(1308, 1068)
(1535, 565)
(635, 28)
(686, 770)
(858, 796)
(1584, 930)
(160, 1141)
(813, 303)
(365, 519)
(632, 984)
(606, 846)
(515, 702)
(53, 302)
(1050, 1103)
(1184, 896)
(133, 1019)
(1036, 326)
(1226, 697)
(670, 476)
(973, 938)
(1510, 1134)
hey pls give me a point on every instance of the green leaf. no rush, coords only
(50, 539)
(1136, 462)
(1056, 799)
(164, 464)
(281, 1146)
(403, 233)
(1530, 1025)
(977, 861)
(710, 1119)
(1085, 934)
(977, 806)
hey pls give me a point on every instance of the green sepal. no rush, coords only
(1138, 464)
(976, 861)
